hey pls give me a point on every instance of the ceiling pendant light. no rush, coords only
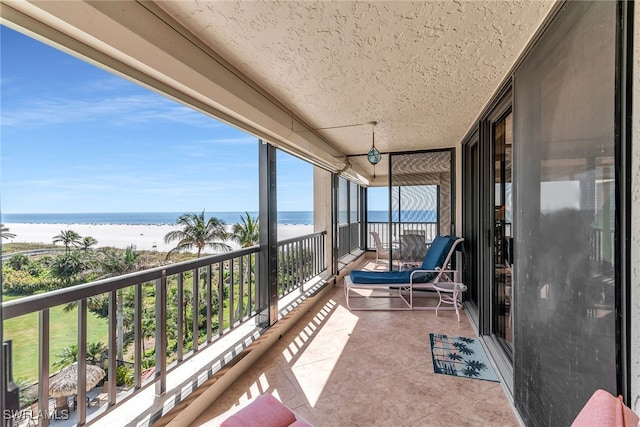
(374, 155)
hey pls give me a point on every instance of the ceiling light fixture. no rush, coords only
(373, 155)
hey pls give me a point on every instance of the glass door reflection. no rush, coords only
(502, 306)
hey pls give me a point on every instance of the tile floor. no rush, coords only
(366, 368)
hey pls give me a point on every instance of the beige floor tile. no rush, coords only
(367, 368)
(352, 408)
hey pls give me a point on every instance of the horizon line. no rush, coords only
(135, 212)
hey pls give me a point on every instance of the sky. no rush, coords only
(76, 138)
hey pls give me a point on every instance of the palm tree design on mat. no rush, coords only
(475, 364)
(454, 356)
(451, 356)
(463, 348)
(447, 368)
(470, 372)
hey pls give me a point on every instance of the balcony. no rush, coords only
(322, 360)
(337, 367)
(505, 86)
(206, 312)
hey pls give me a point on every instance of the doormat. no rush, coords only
(460, 357)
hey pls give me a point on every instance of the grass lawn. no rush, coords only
(23, 331)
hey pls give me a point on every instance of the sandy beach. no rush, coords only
(144, 237)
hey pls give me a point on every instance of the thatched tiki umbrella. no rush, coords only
(65, 382)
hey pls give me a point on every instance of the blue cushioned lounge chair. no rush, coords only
(401, 284)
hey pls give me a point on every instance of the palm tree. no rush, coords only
(67, 238)
(116, 263)
(4, 232)
(87, 242)
(67, 356)
(247, 233)
(96, 353)
(198, 233)
(95, 303)
(67, 266)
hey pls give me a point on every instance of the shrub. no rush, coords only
(19, 261)
(36, 269)
(28, 394)
(149, 357)
(124, 376)
(22, 283)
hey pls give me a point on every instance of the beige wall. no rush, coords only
(322, 208)
(635, 223)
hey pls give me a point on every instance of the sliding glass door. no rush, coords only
(471, 222)
(502, 261)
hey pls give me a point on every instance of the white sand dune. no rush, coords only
(144, 237)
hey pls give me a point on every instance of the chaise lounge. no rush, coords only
(402, 284)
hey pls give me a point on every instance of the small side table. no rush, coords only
(410, 265)
(453, 288)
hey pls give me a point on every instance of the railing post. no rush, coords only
(161, 334)
(195, 309)
(241, 274)
(180, 302)
(43, 361)
(209, 310)
(138, 336)
(220, 298)
(12, 392)
(300, 268)
(253, 283)
(232, 295)
(111, 375)
(81, 396)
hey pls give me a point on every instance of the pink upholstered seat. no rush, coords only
(264, 411)
(603, 409)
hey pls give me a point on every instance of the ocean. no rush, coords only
(160, 218)
(143, 218)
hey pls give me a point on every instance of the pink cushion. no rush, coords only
(265, 411)
(603, 409)
(300, 423)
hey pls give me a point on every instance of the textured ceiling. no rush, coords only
(307, 76)
(422, 70)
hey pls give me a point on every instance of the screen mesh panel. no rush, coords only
(564, 98)
(420, 195)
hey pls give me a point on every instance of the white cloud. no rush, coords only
(119, 111)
